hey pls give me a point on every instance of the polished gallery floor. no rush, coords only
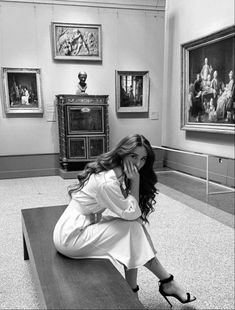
(192, 232)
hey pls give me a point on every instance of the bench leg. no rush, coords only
(26, 254)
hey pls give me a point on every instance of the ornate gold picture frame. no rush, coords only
(22, 91)
(207, 83)
(81, 42)
(132, 91)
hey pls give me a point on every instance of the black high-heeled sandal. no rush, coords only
(164, 294)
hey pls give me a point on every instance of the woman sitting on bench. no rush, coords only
(123, 181)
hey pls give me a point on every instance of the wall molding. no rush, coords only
(153, 5)
(38, 165)
(221, 169)
(25, 166)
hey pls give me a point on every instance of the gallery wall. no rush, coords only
(132, 39)
(188, 20)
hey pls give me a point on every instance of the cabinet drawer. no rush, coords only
(77, 148)
(96, 146)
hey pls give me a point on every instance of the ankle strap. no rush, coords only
(167, 280)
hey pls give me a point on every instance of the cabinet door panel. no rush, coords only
(95, 146)
(85, 119)
(77, 147)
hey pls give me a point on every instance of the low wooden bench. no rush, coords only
(65, 283)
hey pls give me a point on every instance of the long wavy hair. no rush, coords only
(114, 158)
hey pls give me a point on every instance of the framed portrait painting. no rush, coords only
(81, 42)
(22, 91)
(132, 91)
(207, 83)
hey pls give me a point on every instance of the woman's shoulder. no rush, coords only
(106, 177)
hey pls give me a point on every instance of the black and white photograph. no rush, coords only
(117, 166)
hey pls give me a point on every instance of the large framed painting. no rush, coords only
(81, 42)
(207, 83)
(22, 91)
(132, 91)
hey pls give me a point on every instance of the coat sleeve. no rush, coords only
(111, 197)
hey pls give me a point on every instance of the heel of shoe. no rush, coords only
(166, 299)
(164, 294)
(161, 291)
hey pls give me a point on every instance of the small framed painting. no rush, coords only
(132, 91)
(22, 91)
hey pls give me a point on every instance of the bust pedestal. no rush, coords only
(83, 129)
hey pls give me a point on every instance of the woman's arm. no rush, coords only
(110, 196)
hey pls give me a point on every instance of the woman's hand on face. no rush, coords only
(131, 170)
(132, 173)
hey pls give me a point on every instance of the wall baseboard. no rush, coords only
(24, 166)
(221, 170)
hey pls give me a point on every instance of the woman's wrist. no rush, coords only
(134, 189)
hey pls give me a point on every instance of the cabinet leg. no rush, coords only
(65, 166)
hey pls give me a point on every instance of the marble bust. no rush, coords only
(82, 85)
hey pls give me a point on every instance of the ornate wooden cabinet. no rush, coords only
(83, 129)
